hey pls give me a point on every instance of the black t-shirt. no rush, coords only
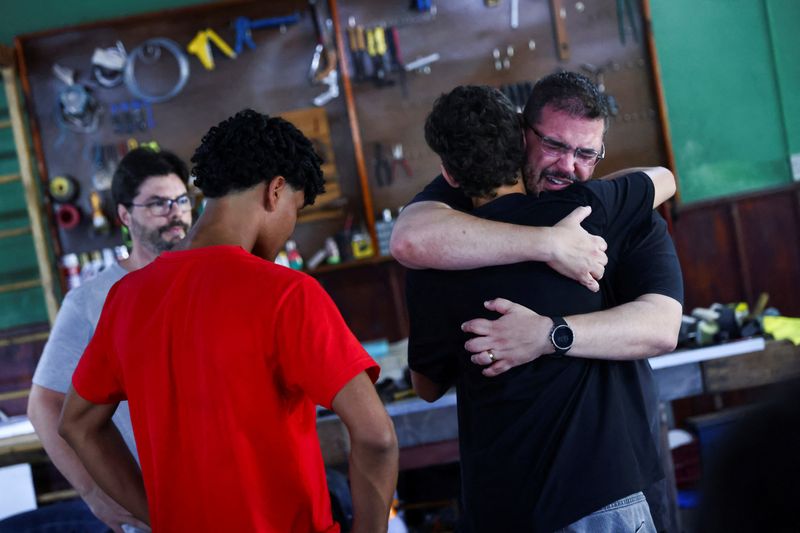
(546, 443)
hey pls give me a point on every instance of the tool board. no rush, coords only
(473, 42)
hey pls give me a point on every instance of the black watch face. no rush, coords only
(562, 337)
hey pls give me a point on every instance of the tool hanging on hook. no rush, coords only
(626, 8)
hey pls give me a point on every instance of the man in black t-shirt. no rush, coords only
(565, 110)
(553, 440)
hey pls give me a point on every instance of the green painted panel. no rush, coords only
(12, 196)
(27, 17)
(17, 254)
(22, 307)
(784, 17)
(722, 96)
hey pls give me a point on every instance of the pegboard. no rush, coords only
(272, 78)
(472, 40)
(475, 45)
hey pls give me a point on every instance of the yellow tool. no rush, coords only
(201, 47)
(99, 220)
(371, 49)
(380, 41)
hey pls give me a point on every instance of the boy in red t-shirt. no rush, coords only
(223, 356)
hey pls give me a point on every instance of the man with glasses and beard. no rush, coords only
(564, 124)
(149, 190)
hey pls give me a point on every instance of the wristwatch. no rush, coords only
(561, 336)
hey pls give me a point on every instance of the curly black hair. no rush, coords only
(570, 92)
(140, 164)
(250, 147)
(478, 136)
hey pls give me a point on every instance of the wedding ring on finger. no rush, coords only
(492, 358)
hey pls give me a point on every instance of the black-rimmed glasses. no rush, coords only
(160, 207)
(586, 157)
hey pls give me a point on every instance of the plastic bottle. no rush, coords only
(108, 258)
(87, 269)
(333, 251)
(121, 252)
(295, 259)
(72, 266)
(383, 229)
(97, 262)
(282, 259)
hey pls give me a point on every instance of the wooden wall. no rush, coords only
(735, 248)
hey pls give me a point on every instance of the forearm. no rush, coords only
(44, 409)
(373, 478)
(97, 442)
(111, 464)
(642, 328)
(432, 235)
(373, 453)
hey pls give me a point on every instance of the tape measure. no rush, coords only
(63, 189)
(68, 216)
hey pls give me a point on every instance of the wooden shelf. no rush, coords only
(353, 264)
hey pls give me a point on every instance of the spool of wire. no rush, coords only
(63, 189)
(68, 216)
(148, 52)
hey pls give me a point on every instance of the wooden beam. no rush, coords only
(32, 195)
(24, 339)
(358, 147)
(14, 395)
(20, 285)
(14, 232)
(6, 56)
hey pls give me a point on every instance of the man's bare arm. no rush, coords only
(44, 410)
(433, 235)
(645, 327)
(663, 181)
(373, 453)
(88, 429)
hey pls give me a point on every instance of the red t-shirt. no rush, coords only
(222, 357)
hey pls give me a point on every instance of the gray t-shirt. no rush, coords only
(71, 333)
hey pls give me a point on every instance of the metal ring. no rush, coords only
(180, 57)
(491, 356)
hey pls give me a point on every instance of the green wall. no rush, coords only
(26, 17)
(784, 16)
(17, 255)
(729, 82)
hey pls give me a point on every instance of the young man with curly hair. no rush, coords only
(223, 356)
(557, 442)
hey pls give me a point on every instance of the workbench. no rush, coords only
(428, 432)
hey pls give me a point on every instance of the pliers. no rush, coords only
(383, 170)
(398, 159)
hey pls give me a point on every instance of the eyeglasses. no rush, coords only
(586, 157)
(160, 207)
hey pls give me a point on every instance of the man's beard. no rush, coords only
(154, 240)
(535, 183)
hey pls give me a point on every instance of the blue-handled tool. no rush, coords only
(244, 27)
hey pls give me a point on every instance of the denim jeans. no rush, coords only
(71, 516)
(628, 515)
